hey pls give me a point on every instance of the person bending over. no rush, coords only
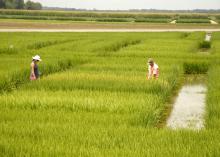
(153, 70)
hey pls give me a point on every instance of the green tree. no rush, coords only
(33, 6)
(2, 3)
(10, 4)
(19, 4)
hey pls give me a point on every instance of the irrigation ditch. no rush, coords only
(189, 106)
(186, 109)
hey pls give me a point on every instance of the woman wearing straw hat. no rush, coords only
(153, 69)
(34, 68)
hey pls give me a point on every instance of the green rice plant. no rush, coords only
(212, 114)
(45, 18)
(39, 45)
(42, 44)
(14, 79)
(154, 20)
(117, 46)
(205, 45)
(196, 67)
(193, 16)
(185, 35)
(114, 20)
(8, 50)
(181, 20)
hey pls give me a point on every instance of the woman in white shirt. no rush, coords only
(153, 69)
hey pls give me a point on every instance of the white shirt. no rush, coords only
(153, 70)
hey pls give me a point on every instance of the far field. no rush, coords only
(105, 20)
(93, 98)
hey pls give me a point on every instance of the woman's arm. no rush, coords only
(149, 73)
(32, 70)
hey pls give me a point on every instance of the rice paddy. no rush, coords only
(93, 98)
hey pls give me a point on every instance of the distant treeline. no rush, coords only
(19, 4)
(137, 10)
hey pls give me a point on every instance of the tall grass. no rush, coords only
(205, 45)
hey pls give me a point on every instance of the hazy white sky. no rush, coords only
(133, 4)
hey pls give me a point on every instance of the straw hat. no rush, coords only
(37, 58)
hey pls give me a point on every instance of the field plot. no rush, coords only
(196, 18)
(86, 16)
(94, 100)
(218, 19)
(100, 18)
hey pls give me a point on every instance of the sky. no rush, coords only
(133, 4)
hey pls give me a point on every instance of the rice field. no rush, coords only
(108, 17)
(193, 20)
(93, 98)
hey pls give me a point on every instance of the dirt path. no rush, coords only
(173, 22)
(57, 26)
(108, 30)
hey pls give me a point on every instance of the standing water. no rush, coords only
(189, 108)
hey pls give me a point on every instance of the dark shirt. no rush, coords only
(36, 71)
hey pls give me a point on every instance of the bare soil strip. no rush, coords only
(92, 26)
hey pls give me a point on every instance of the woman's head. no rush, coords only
(36, 58)
(150, 61)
